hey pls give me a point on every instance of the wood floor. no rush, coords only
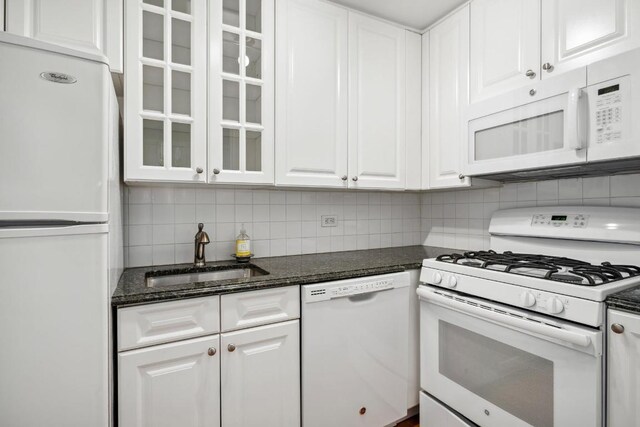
(411, 422)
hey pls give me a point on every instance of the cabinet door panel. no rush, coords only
(505, 44)
(623, 366)
(165, 82)
(261, 376)
(376, 103)
(577, 32)
(88, 25)
(175, 384)
(448, 73)
(311, 101)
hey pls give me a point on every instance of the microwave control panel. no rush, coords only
(608, 114)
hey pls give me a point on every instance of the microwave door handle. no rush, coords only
(506, 319)
(576, 137)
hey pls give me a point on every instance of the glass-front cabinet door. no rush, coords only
(165, 90)
(241, 102)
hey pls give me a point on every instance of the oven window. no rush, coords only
(528, 136)
(514, 380)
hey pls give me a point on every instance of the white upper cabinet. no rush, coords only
(413, 113)
(448, 67)
(311, 99)
(578, 32)
(376, 103)
(505, 46)
(176, 384)
(241, 86)
(261, 376)
(87, 25)
(165, 87)
(623, 369)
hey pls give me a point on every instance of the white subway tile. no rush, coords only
(277, 197)
(260, 248)
(278, 247)
(163, 254)
(547, 190)
(260, 197)
(186, 196)
(294, 229)
(207, 213)
(277, 213)
(140, 214)
(205, 196)
(139, 195)
(185, 214)
(509, 193)
(162, 195)
(185, 233)
(526, 191)
(625, 185)
(293, 197)
(294, 246)
(569, 189)
(225, 196)
(261, 231)
(184, 253)
(261, 213)
(337, 243)
(224, 213)
(294, 213)
(163, 234)
(140, 256)
(243, 197)
(140, 235)
(308, 245)
(278, 230)
(163, 214)
(630, 202)
(323, 244)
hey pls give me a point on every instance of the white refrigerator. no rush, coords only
(60, 234)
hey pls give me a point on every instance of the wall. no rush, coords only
(460, 219)
(160, 222)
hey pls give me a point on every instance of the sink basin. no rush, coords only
(214, 274)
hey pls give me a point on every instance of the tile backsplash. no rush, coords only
(460, 219)
(161, 221)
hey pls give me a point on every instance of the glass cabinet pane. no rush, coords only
(152, 88)
(152, 142)
(183, 6)
(230, 53)
(254, 104)
(181, 92)
(254, 150)
(254, 15)
(152, 35)
(253, 60)
(159, 3)
(231, 12)
(180, 145)
(231, 100)
(231, 149)
(181, 41)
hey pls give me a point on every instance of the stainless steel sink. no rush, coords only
(223, 273)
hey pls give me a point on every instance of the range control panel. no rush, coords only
(361, 288)
(560, 220)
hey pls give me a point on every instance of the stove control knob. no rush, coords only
(437, 278)
(453, 282)
(527, 299)
(554, 305)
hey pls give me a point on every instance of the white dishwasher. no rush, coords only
(354, 351)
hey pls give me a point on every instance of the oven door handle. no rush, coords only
(505, 319)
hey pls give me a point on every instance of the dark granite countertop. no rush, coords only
(283, 271)
(628, 300)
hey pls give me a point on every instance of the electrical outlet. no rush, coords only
(329, 220)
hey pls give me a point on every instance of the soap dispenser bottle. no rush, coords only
(243, 245)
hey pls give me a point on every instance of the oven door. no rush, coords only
(532, 128)
(501, 366)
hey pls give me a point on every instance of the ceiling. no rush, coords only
(416, 14)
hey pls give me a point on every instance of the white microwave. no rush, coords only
(574, 119)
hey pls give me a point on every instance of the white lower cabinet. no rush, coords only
(176, 384)
(623, 366)
(261, 376)
(236, 378)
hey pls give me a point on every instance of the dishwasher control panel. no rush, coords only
(347, 288)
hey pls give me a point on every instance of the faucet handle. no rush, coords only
(200, 226)
(202, 236)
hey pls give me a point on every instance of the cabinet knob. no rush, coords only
(231, 347)
(344, 177)
(617, 328)
(547, 67)
(461, 176)
(211, 351)
(532, 92)
(531, 74)
(354, 179)
(216, 171)
(363, 410)
(199, 170)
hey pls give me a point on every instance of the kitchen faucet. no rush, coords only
(201, 239)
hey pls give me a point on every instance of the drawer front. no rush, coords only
(254, 308)
(145, 325)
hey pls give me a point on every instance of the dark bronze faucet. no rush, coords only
(201, 239)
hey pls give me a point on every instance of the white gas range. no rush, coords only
(514, 336)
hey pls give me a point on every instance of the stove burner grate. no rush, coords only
(560, 269)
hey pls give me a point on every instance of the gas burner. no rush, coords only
(560, 269)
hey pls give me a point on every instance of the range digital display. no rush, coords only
(558, 217)
(609, 89)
